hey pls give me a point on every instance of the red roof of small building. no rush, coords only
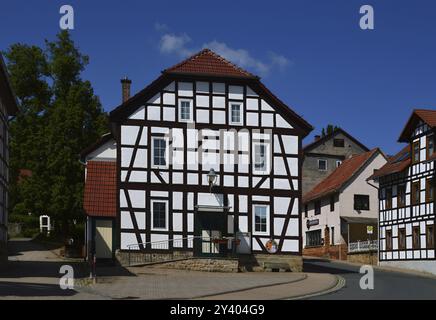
(334, 182)
(395, 164)
(101, 189)
(208, 62)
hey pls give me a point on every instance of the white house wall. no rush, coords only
(326, 218)
(212, 143)
(359, 185)
(107, 151)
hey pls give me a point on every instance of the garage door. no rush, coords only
(103, 239)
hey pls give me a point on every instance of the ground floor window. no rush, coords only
(430, 236)
(332, 236)
(402, 238)
(159, 215)
(416, 238)
(388, 240)
(260, 219)
(313, 238)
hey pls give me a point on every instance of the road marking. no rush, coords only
(338, 286)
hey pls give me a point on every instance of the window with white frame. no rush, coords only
(159, 152)
(185, 110)
(261, 217)
(159, 216)
(260, 157)
(322, 164)
(235, 113)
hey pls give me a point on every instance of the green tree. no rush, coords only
(61, 116)
(328, 130)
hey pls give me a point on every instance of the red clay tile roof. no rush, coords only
(101, 189)
(428, 116)
(208, 62)
(340, 176)
(395, 164)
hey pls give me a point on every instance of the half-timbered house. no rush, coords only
(8, 107)
(406, 195)
(208, 162)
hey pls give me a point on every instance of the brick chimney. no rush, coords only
(125, 88)
(317, 137)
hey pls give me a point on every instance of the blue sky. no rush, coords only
(312, 54)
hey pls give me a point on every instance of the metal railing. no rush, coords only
(163, 250)
(361, 246)
(139, 253)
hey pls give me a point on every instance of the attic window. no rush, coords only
(339, 143)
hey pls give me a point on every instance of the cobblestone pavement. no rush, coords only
(33, 273)
(157, 283)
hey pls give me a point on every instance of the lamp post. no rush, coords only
(211, 178)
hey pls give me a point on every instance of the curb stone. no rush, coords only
(304, 277)
(340, 283)
(417, 273)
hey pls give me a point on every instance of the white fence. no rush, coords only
(362, 246)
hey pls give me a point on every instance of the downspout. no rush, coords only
(378, 220)
(87, 222)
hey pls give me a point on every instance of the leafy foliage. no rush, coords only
(60, 116)
(328, 130)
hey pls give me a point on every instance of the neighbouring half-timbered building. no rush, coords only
(407, 217)
(208, 161)
(8, 108)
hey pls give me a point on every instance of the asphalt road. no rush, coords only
(388, 285)
(33, 271)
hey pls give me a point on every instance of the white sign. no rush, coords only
(44, 223)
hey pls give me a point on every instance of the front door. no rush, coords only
(103, 239)
(209, 230)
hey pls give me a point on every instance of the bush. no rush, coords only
(30, 232)
(28, 222)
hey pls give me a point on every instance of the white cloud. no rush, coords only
(180, 44)
(171, 43)
(278, 60)
(160, 27)
(240, 57)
